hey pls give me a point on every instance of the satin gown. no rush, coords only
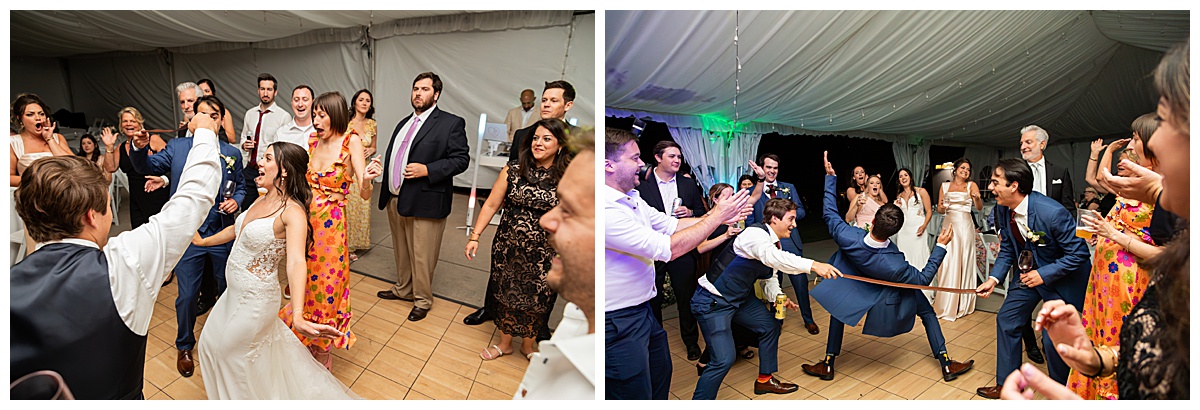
(959, 269)
(245, 351)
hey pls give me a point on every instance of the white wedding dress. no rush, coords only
(958, 269)
(245, 350)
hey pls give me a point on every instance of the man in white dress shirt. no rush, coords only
(258, 130)
(300, 127)
(82, 303)
(564, 366)
(637, 360)
(522, 116)
(1049, 180)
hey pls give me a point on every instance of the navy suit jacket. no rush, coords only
(440, 144)
(1062, 261)
(791, 244)
(892, 311)
(172, 159)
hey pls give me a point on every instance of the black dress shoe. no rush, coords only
(387, 294)
(693, 353)
(479, 317)
(954, 369)
(774, 386)
(203, 306)
(700, 369)
(417, 314)
(1035, 355)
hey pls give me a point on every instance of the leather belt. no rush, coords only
(907, 285)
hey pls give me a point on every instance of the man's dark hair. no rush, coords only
(263, 77)
(437, 81)
(773, 157)
(888, 220)
(614, 139)
(1017, 170)
(568, 89)
(663, 145)
(776, 208)
(311, 93)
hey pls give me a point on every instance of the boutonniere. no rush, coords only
(229, 161)
(867, 227)
(1035, 237)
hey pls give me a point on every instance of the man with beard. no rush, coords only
(426, 151)
(258, 127)
(564, 366)
(521, 116)
(637, 360)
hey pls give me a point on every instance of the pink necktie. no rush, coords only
(398, 171)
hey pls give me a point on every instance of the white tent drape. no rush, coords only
(903, 154)
(921, 163)
(713, 159)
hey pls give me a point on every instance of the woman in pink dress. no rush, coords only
(863, 207)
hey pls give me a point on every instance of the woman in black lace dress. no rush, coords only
(526, 190)
(1153, 359)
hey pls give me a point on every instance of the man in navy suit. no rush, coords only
(1032, 222)
(773, 188)
(424, 154)
(661, 188)
(890, 311)
(194, 261)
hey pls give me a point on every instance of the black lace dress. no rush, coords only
(1150, 366)
(521, 254)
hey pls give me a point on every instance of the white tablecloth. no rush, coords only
(489, 169)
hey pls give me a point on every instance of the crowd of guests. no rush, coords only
(313, 172)
(1113, 284)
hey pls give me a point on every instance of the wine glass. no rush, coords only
(1025, 262)
(227, 193)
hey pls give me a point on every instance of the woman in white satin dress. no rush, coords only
(914, 201)
(245, 351)
(958, 270)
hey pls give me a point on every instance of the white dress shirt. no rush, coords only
(295, 134)
(668, 190)
(1039, 175)
(399, 139)
(1022, 217)
(635, 235)
(271, 122)
(760, 245)
(138, 260)
(564, 367)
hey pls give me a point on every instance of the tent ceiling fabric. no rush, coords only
(93, 31)
(962, 76)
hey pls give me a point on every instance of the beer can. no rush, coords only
(780, 300)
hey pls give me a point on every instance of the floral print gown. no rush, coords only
(359, 210)
(1116, 285)
(327, 293)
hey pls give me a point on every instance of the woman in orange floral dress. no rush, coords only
(335, 162)
(1118, 280)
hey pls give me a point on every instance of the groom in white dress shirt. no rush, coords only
(81, 304)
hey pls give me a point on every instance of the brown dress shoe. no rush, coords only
(417, 314)
(819, 369)
(387, 294)
(812, 328)
(990, 392)
(773, 386)
(951, 372)
(185, 364)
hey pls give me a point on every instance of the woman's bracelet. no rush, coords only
(1094, 159)
(1099, 358)
(1112, 356)
(472, 240)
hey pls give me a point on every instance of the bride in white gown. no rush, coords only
(245, 351)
